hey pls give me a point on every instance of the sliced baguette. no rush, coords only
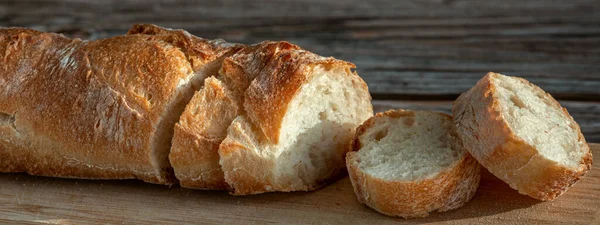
(300, 113)
(410, 163)
(522, 135)
(100, 109)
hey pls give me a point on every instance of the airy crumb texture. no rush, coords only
(316, 132)
(410, 163)
(522, 135)
(533, 116)
(408, 148)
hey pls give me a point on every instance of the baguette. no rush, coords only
(522, 135)
(409, 163)
(97, 109)
(270, 117)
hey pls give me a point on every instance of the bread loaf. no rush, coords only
(409, 163)
(250, 119)
(522, 135)
(97, 109)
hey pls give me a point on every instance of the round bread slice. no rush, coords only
(522, 135)
(409, 163)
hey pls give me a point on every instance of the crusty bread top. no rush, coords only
(198, 50)
(103, 103)
(270, 74)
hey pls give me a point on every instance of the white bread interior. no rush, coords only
(314, 137)
(522, 135)
(408, 148)
(410, 163)
(532, 115)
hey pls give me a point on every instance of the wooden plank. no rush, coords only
(587, 114)
(428, 49)
(29, 199)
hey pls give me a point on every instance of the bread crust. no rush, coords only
(199, 51)
(198, 134)
(92, 109)
(491, 141)
(451, 188)
(269, 75)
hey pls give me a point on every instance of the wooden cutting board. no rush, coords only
(29, 199)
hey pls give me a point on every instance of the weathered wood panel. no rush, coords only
(433, 49)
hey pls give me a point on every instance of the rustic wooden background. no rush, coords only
(413, 54)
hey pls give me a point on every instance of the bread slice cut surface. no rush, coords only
(522, 135)
(410, 163)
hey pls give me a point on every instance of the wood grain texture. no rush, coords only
(426, 49)
(28, 199)
(586, 114)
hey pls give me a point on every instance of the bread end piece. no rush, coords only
(529, 156)
(300, 112)
(448, 189)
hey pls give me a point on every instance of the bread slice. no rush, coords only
(522, 135)
(300, 113)
(198, 134)
(100, 109)
(409, 163)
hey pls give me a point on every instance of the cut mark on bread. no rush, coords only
(170, 116)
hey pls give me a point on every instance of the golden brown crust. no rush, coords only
(75, 96)
(449, 189)
(89, 109)
(237, 150)
(201, 128)
(492, 142)
(198, 51)
(195, 160)
(270, 74)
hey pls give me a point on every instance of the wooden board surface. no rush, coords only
(425, 49)
(29, 199)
